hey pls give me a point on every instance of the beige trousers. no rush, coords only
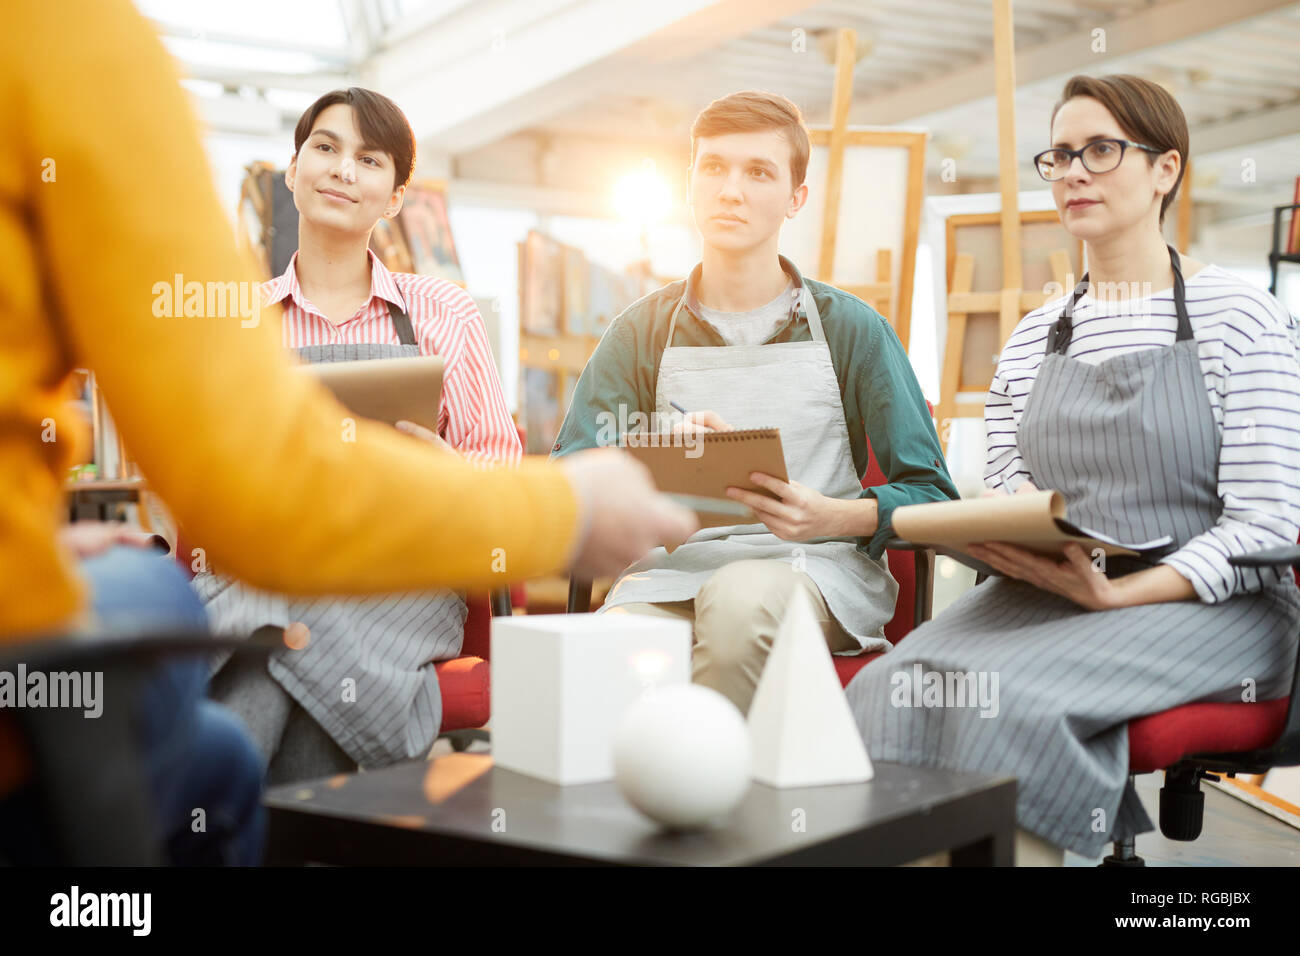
(736, 615)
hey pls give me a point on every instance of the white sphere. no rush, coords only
(682, 755)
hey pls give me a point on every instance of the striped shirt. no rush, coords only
(473, 416)
(1247, 343)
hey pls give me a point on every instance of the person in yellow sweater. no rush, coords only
(105, 203)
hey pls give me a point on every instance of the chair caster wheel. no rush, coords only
(1114, 860)
(1182, 804)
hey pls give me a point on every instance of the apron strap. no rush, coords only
(672, 322)
(1058, 339)
(1180, 298)
(814, 317)
(402, 322)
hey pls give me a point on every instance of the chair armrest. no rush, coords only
(579, 596)
(899, 544)
(499, 601)
(50, 653)
(1286, 556)
(923, 577)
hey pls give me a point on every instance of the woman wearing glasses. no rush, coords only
(1161, 397)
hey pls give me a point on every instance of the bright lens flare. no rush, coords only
(642, 197)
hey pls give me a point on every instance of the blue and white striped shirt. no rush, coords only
(1247, 344)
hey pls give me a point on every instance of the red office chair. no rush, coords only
(913, 568)
(463, 681)
(1191, 742)
(1199, 741)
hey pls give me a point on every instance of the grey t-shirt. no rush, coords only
(755, 326)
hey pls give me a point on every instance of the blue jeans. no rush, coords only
(196, 754)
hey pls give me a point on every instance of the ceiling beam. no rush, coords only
(1148, 29)
(1242, 133)
(487, 79)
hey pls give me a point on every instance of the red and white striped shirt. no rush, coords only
(473, 416)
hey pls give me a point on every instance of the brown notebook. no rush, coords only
(696, 470)
(1035, 521)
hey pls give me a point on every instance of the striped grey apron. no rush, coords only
(366, 676)
(791, 386)
(1132, 444)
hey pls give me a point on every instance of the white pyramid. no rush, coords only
(803, 730)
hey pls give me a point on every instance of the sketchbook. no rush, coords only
(1035, 521)
(695, 470)
(387, 390)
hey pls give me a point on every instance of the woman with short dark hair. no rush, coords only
(1161, 398)
(358, 687)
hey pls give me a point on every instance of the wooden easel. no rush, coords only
(1010, 302)
(882, 293)
(964, 302)
(253, 215)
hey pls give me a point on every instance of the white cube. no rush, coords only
(562, 682)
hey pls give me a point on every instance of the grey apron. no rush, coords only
(790, 386)
(366, 676)
(1132, 444)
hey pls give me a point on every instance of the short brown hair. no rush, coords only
(753, 110)
(382, 123)
(1145, 111)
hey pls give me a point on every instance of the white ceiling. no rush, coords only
(475, 76)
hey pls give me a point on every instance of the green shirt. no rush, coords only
(882, 400)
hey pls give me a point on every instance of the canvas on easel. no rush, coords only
(860, 227)
(1051, 260)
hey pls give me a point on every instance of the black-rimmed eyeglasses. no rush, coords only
(1099, 156)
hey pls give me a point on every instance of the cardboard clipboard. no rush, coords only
(1034, 521)
(386, 390)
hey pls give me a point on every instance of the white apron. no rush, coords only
(790, 386)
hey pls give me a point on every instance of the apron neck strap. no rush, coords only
(672, 322)
(402, 322)
(1180, 297)
(803, 301)
(1058, 339)
(814, 317)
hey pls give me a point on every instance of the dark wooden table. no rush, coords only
(460, 810)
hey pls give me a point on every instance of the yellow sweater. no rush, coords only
(105, 197)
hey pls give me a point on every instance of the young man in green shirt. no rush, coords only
(745, 342)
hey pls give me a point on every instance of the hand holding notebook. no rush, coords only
(1035, 521)
(695, 469)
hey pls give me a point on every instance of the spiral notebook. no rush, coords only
(695, 470)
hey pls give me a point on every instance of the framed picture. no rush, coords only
(542, 286)
(427, 230)
(542, 412)
(390, 246)
(577, 299)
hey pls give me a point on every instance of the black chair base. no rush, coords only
(462, 740)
